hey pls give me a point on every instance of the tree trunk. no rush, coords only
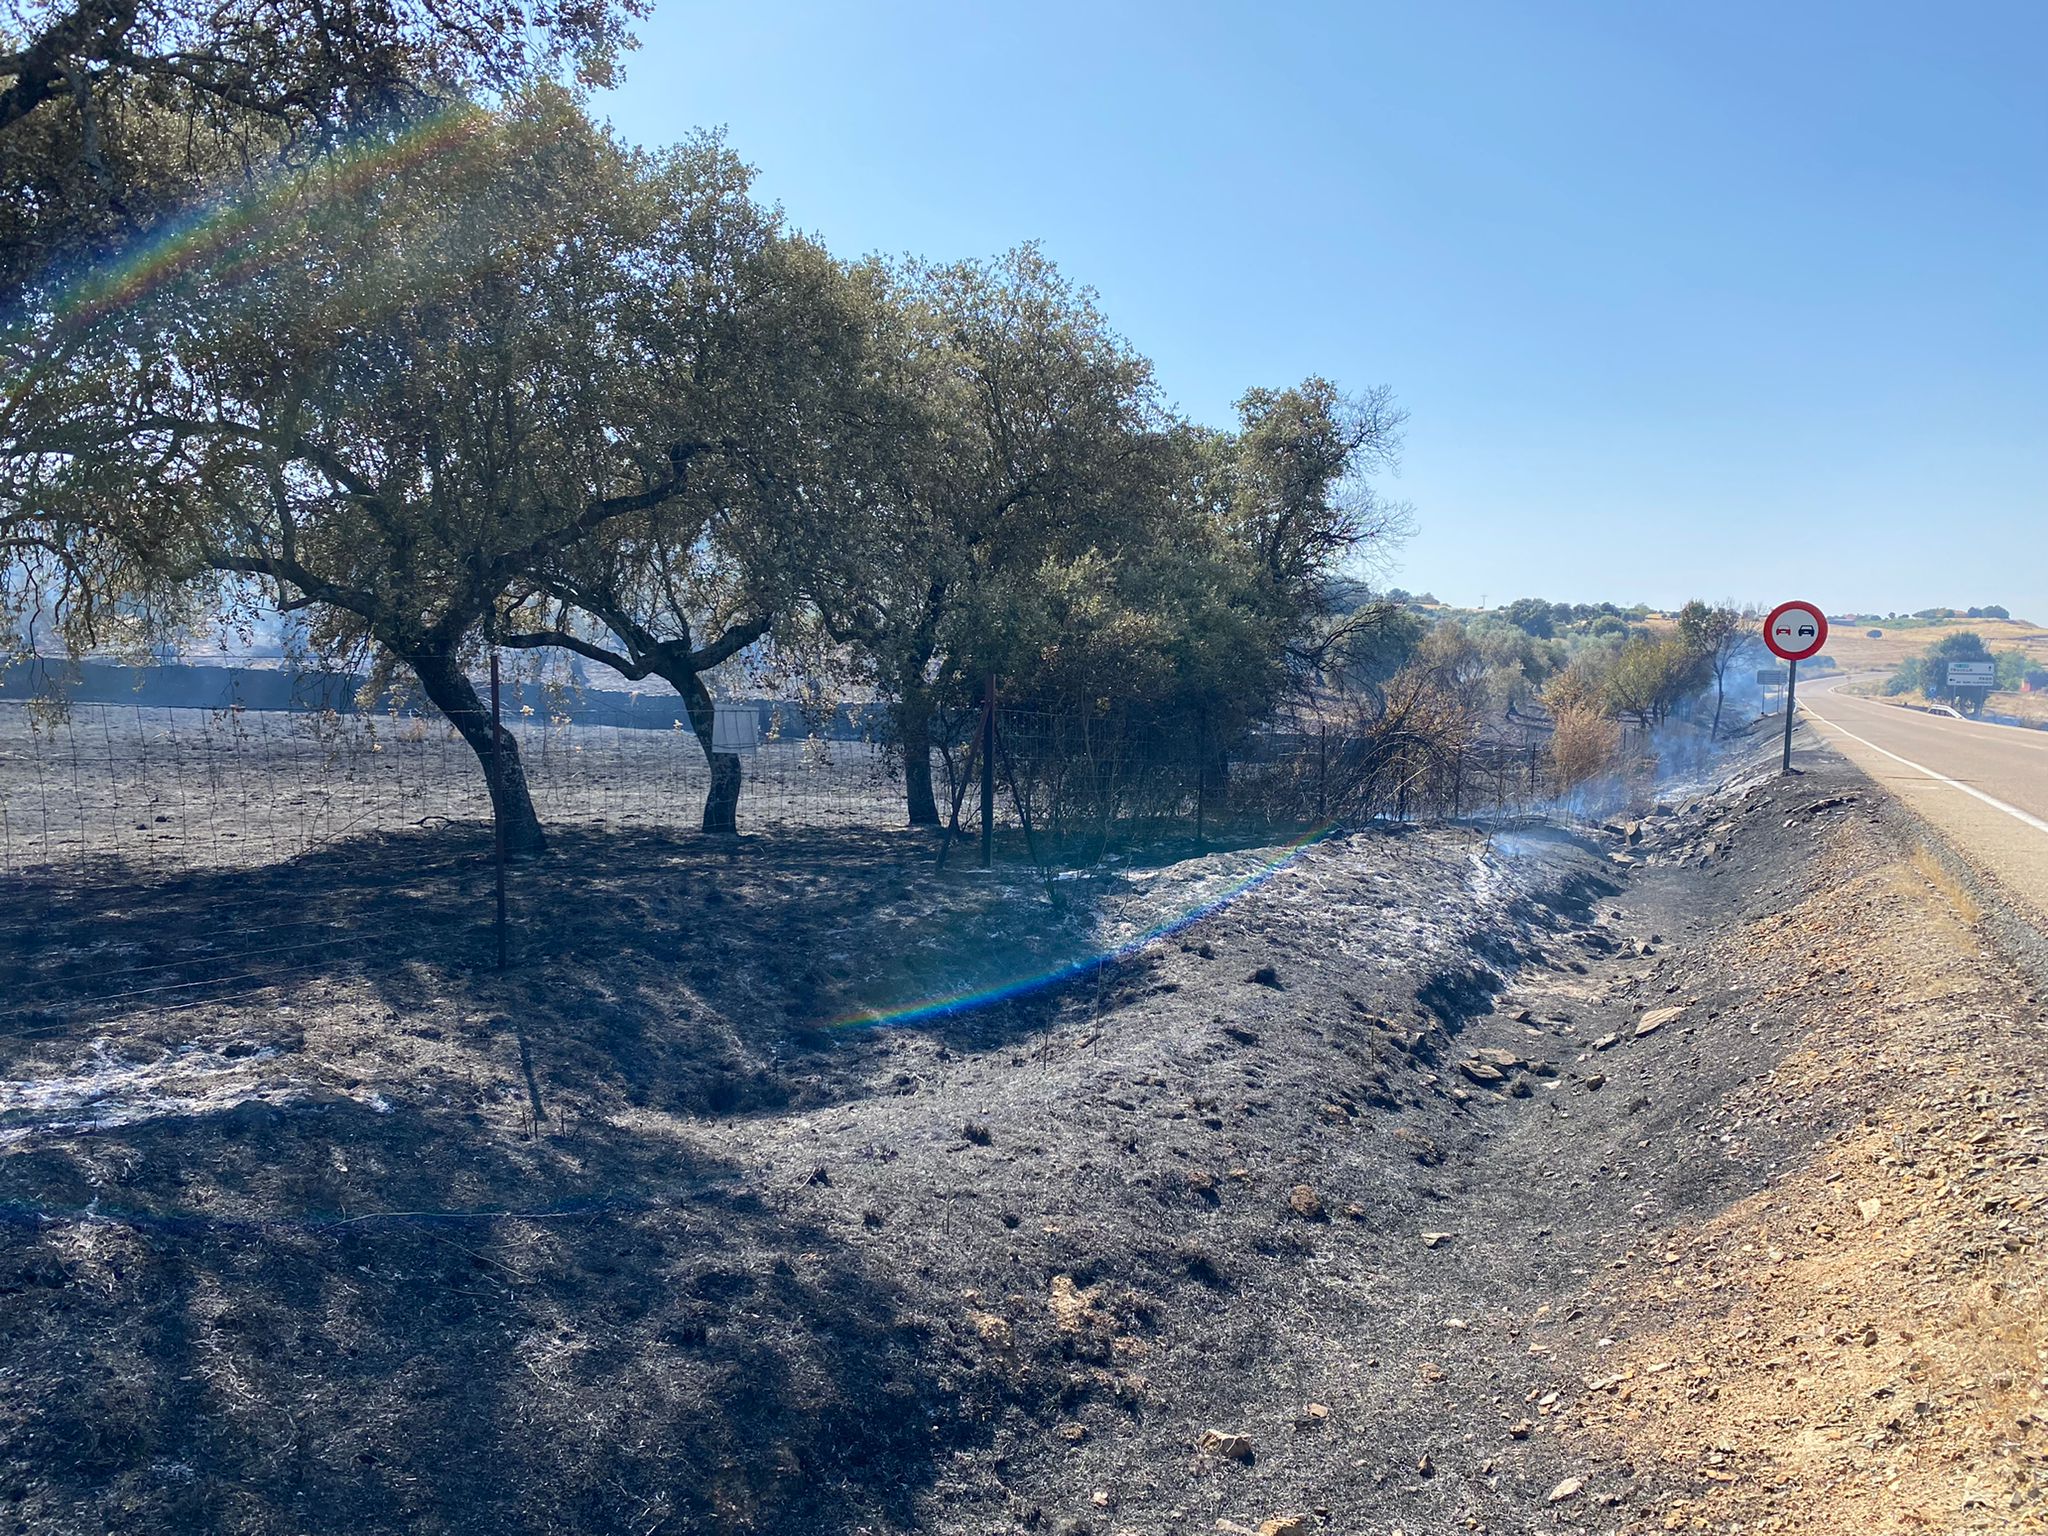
(914, 732)
(450, 690)
(722, 804)
(1720, 693)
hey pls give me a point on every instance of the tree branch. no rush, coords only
(561, 639)
(731, 643)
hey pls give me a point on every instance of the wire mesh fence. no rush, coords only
(1077, 787)
(112, 792)
(166, 859)
(107, 790)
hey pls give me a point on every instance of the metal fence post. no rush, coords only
(497, 817)
(1323, 771)
(988, 777)
(1791, 708)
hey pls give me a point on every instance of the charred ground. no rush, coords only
(652, 1234)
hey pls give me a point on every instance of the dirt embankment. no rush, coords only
(1863, 1347)
(1409, 1185)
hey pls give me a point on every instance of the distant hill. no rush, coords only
(1856, 649)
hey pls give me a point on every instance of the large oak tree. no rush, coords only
(1006, 429)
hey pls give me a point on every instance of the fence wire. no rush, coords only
(164, 859)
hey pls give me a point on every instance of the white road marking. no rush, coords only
(1976, 794)
(2004, 735)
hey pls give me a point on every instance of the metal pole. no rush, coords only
(1323, 772)
(1791, 692)
(497, 817)
(988, 777)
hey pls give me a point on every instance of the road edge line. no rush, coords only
(2025, 817)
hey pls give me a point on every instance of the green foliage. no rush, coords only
(426, 377)
(1018, 504)
(1927, 673)
(1651, 675)
(1533, 616)
(116, 115)
(1717, 636)
(417, 383)
(488, 376)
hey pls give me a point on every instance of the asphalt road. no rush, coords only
(1985, 786)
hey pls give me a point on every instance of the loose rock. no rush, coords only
(1656, 1019)
(1222, 1442)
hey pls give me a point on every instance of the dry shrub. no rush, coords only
(1585, 746)
(1407, 758)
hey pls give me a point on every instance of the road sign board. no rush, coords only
(1795, 631)
(1973, 674)
(1771, 677)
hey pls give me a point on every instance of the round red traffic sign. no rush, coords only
(1795, 631)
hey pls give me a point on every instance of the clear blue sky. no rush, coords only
(1734, 300)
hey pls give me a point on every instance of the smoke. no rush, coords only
(1680, 756)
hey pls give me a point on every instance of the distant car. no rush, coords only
(1943, 710)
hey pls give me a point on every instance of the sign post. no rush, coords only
(1768, 678)
(497, 816)
(1794, 631)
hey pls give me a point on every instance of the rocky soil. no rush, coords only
(1680, 1173)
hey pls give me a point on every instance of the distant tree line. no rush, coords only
(1933, 615)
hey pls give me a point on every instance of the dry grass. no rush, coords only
(1860, 1348)
(1937, 875)
(1584, 747)
(2021, 706)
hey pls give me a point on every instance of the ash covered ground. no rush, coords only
(1295, 1217)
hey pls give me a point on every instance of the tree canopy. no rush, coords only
(1927, 673)
(482, 375)
(118, 114)
(525, 362)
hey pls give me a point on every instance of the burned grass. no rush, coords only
(1306, 1209)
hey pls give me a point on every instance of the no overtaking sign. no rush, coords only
(1794, 631)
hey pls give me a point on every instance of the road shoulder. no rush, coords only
(1861, 1345)
(1971, 800)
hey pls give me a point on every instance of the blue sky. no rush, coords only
(1736, 300)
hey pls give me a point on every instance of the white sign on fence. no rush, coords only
(1771, 677)
(1972, 674)
(735, 727)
